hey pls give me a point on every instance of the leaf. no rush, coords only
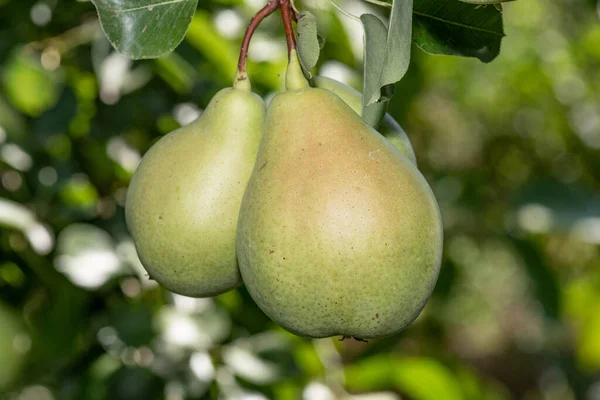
(307, 40)
(588, 350)
(145, 28)
(396, 52)
(412, 372)
(485, 2)
(455, 28)
(337, 46)
(374, 58)
(372, 373)
(407, 375)
(399, 40)
(28, 85)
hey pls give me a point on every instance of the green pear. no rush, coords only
(389, 128)
(339, 233)
(184, 198)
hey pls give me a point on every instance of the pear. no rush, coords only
(389, 128)
(184, 198)
(339, 233)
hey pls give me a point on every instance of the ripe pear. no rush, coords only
(339, 233)
(389, 128)
(184, 198)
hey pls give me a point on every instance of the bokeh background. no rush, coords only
(511, 149)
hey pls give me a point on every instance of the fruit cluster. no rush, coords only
(328, 222)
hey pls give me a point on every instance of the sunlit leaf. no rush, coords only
(79, 192)
(29, 87)
(419, 377)
(588, 349)
(426, 379)
(145, 28)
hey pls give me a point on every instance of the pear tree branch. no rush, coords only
(267, 10)
(286, 14)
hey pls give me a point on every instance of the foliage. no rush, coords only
(511, 148)
(151, 28)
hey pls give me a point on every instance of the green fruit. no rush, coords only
(12, 357)
(389, 128)
(184, 198)
(339, 233)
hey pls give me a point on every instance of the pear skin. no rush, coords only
(184, 198)
(389, 128)
(339, 233)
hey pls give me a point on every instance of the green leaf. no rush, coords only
(411, 373)
(145, 28)
(307, 40)
(457, 28)
(421, 378)
(372, 373)
(374, 58)
(496, 3)
(485, 2)
(28, 85)
(396, 54)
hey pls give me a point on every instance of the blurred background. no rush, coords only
(511, 149)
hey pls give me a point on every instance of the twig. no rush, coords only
(286, 11)
(70, 39)
(267, 10)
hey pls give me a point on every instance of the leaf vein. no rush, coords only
(458, 24)
(164, 3)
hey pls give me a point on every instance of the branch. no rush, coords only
(254, 22)
(286, 14)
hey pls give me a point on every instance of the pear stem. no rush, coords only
(294, 77)
(264, 12)
(286, 14)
